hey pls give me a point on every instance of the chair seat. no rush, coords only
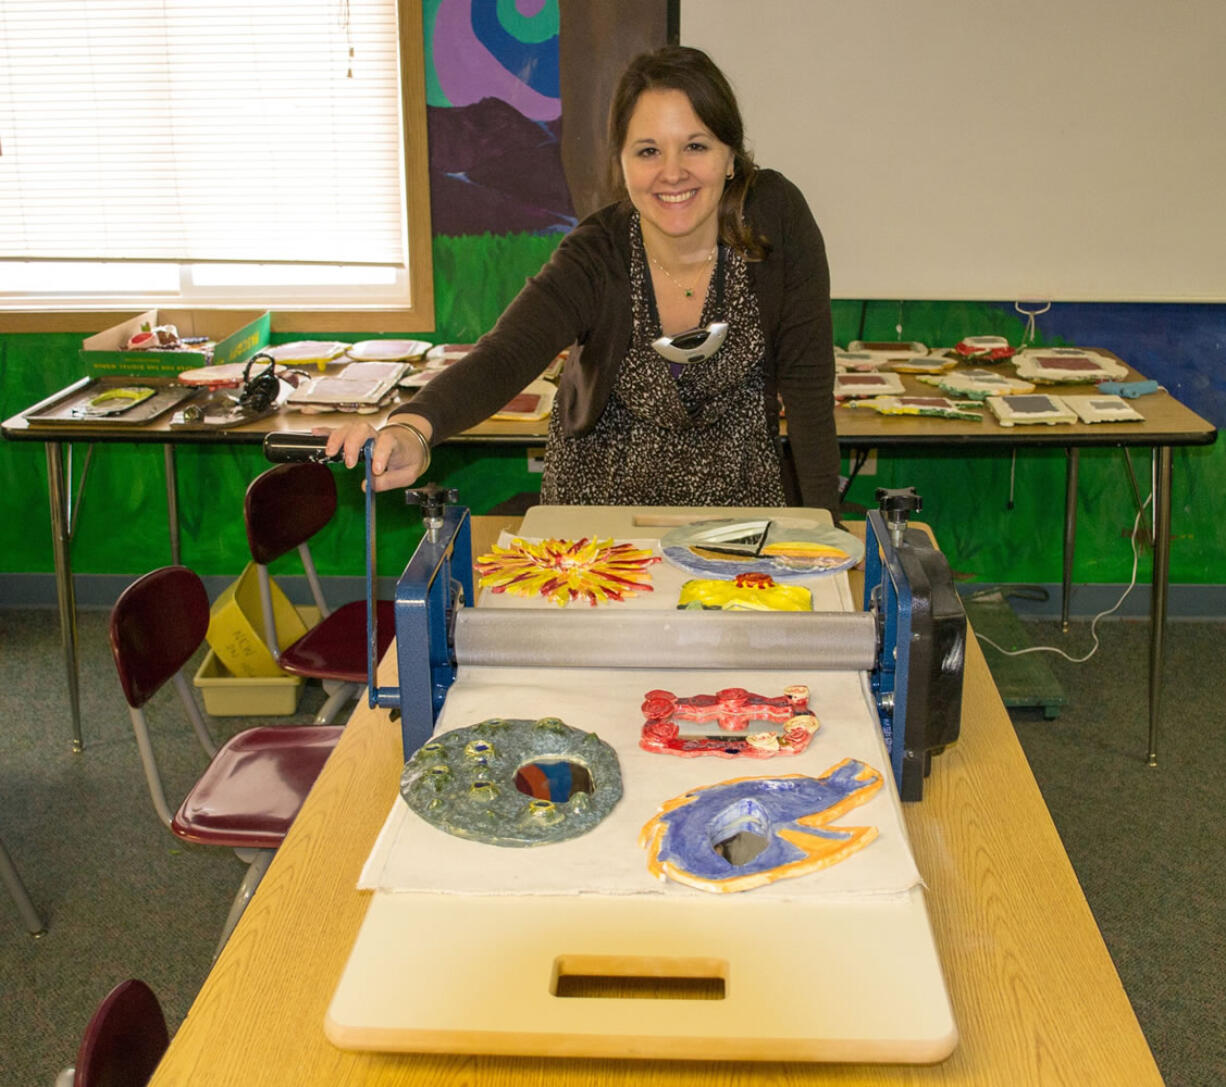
(336, 647)
(252, 790)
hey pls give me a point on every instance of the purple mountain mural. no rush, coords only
(494, 170)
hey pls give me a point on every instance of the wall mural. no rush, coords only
(497, 71)
(494, 112)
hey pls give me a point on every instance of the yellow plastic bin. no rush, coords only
(236, 626)
(228, 695)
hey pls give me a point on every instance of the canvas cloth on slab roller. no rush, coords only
(526, 658)
(411, 855)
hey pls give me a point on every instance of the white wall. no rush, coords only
(1072, 150)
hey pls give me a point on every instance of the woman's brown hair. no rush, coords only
(691, 71)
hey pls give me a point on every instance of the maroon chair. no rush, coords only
(251, 791)
(123, 1042)
(284, 507)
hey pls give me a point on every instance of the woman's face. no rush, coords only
(675, 170)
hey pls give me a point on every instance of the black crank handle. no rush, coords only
(292, 447)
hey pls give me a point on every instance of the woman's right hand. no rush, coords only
(398, 457)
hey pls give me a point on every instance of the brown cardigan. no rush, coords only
(582, 295)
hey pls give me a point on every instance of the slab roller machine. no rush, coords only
(635, 831)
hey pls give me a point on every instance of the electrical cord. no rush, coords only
(1132, 581)
(1030, 315)
(855, 461)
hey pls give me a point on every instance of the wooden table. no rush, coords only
(1168, 423)
(1035, 994)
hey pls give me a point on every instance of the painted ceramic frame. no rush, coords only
(937, 407)
(1103, 408)
(847, 386)
(792, 813)
(745, 592)
(732, 710)
(1067, 366)
(888, 350)
(1027, 408)
(985, 349)
(464, 782)
(978, 384)
(562, 571)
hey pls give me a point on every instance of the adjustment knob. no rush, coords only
(432, 499)
(896, 505)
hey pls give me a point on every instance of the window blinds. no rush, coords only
(201, 130)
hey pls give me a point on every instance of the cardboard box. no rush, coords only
(235, 337)
(236, 626)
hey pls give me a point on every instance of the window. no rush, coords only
(214, 154)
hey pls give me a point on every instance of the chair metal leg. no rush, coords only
(12, 880)
(194, 715)
(337, 701)
(255, 872)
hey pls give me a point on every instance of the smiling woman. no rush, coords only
(675, 170)
(702, 242)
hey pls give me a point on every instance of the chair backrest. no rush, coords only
(285, 506)
(124, 1040)
(157, 623)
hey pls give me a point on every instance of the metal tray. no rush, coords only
(68, 407)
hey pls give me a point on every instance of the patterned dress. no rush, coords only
(699, 438)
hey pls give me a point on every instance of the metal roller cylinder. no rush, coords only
(532, 637)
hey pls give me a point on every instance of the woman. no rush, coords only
(697, 303)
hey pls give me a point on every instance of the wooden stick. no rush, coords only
(649, 519)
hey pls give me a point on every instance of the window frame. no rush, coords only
(418, 316)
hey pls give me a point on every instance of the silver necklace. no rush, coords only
(689, 291)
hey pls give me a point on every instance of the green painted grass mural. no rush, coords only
(122, 522)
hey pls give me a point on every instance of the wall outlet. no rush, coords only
(536, 461)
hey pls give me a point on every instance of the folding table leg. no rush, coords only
(1070, 533)
(61, 543)
(1157, 602)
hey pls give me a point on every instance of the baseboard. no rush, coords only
(1033, 601)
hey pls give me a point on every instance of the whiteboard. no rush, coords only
(1065, 150)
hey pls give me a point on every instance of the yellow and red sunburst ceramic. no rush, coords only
(597, 571)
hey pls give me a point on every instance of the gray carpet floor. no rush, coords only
(124, 898)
